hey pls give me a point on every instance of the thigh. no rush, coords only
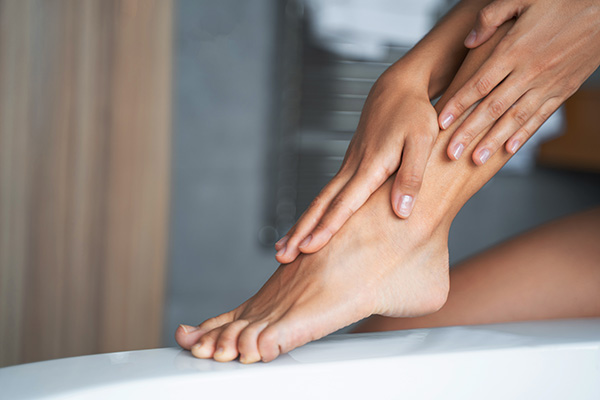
(550, 272)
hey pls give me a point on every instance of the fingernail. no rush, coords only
(282, 241)
(405, 205)
(458, 150)
(484, 155)
(306, 241)
(281, 251)
(515, 146)
(447, 121)
(470, 40)
(188, 328)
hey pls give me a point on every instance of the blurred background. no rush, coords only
(152, 151)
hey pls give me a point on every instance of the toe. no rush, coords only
(205, 348)
(227, 343)
(268, 344)
(295, 329)
(187, 336)
(248, 343)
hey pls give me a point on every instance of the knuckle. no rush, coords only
(526, 132)
(460, 105)
(544, 114)
(411, 180)
(483, 86)
(484, 17)
(493, 143)
(341, 204)
(550, 63)
(520, 116)
(467, 136)
(424, 140)
(377, 176)
(325, 228)
(571, 87)
(344, 168)
(539, 67)
(317, 202)
(496, 109)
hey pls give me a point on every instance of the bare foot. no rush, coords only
(376, 264)
(392, 267)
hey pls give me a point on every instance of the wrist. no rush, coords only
(407, 76)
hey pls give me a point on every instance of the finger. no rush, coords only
(509, 124)
(226, 345)
(186, 335)
(309, 219)
(205, 348)
(410, 175)
(248, 343)
(351, 198)
(484, 115)
(490, 18)
(533, 124)
(489, 75)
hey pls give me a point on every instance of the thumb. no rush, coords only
(491, 17)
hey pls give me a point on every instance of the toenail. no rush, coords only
(306, 241)
(188, 328)
(219, 352)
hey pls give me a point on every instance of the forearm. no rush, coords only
(436, 58)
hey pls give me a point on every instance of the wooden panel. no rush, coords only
(579, 147)
(84, 175)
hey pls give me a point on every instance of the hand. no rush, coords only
(397, 129)
(553, 47)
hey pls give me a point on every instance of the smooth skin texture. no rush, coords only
(534, 69)
(395, 135)
(551, 50)
(376, 264)
(550, 272)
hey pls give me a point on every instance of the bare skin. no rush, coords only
(548, 273)
(396, 134)
(553, 47)
(376, 264)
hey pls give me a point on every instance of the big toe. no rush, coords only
(186, 336)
